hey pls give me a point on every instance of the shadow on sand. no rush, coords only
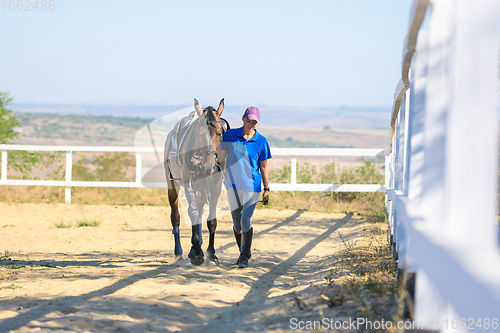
(106, 309)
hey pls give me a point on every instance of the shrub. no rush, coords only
(363, 203)
(109, 166)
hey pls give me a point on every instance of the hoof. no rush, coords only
(178, 257)
(211, 256)
(197, 260)
(197, 257)
(214, 259)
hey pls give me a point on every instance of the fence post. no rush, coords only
(471, 159)
(4, 165)
(138, 167)
(429, 305)
(69, 166)
(294, 170)
(387, 171)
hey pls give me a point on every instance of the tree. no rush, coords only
(23, 161)
(8, 123)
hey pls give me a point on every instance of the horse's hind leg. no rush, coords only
(212, 223)
(175, 218)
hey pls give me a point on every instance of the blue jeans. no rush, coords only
(242, 208)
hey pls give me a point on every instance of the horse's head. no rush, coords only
(209, 130)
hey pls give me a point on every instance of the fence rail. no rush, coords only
(139, 151)
(442, 173)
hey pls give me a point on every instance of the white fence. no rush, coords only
(292, 186)
(443, 169)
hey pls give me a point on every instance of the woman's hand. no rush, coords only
(264, 171)
(265, 197)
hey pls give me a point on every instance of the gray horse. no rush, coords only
(191, 160)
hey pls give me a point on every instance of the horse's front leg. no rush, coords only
(212, 220)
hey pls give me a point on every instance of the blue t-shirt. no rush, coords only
(242, 161)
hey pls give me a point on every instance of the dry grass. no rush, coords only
(85, 195)
(365, 274)
(366, 204)
(363, 279)
(361, 282)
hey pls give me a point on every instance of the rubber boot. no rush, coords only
(177, 239)
(196, 254)
(246, 246)
(238, 242)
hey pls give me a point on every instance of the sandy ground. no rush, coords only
(120, 276)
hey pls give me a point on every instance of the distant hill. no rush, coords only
(56, 129)
(289, 117)
(89, 130)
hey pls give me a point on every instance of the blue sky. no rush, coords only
(276, 53)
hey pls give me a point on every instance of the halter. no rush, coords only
(198, 155)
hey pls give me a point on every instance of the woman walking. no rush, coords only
(244, 156)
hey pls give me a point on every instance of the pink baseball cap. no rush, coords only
(252, 113)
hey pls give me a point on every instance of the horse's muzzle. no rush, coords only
(210, 170)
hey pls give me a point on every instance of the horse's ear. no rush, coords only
(219, 110)
(197, 107)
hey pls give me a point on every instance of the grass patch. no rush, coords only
(63, 224)
(13, 266)
(349, 245)
(5, 256)
(12, 286)
(80, 222)
(84, 222)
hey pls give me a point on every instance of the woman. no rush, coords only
(244, 156)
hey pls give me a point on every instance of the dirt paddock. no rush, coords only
(120, 276)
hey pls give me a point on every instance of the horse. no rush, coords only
(191, 160)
